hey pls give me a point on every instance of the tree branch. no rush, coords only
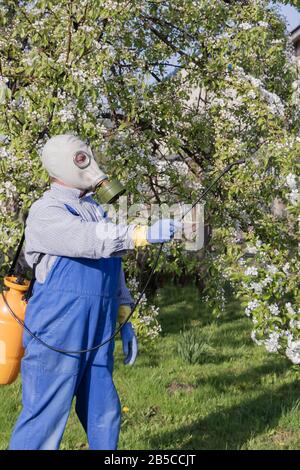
(70, 27)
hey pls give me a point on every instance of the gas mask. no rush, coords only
(71, 160)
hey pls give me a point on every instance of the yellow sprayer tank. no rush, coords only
(11, 333)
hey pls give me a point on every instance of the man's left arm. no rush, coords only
(129, 340)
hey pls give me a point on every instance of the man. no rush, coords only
(79, 288)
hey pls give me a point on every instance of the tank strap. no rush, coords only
(17, 254)
(12, 268)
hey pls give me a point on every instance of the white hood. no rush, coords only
(58, 159)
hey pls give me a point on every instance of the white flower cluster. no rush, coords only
(112, 4)
(276, 105)
(252, 250)
(259, 342)
(80, 75)
(154, 331)
(263, 24)
(8, 192)
(294, 324)
(293, 350)
(62, 58)
(274, 309)
(291, 181)
(7, 155)
(181, 168)
(266, 281)
(292, 184)
(87, 28)
(277, 321)
(29, 60)
(252, 305)
(251, 271)
(146, 323)
(229, 103)
(66, 114)
(9, 189)
(272, 343)
(246, 26)
(285, 268)
(31, 8)
(294, 197)
(257, 287)
(3, 92)
(289, 308)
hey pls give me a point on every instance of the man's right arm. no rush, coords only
(54, 230)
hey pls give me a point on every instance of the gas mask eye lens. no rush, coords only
(82, 159)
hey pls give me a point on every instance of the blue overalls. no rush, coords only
(75, 308)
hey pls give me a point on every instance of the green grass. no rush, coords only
(240, 398)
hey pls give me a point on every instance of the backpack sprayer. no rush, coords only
(13, 300)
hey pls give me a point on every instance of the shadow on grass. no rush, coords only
(248, 380)
(227, 334)
(231, 428)
(183, 307)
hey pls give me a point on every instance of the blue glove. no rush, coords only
(130, 345)
(162, 231)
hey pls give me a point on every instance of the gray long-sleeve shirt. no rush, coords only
(53, 230)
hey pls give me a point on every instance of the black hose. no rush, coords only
(98, 346)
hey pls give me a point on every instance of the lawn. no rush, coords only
(237, 397)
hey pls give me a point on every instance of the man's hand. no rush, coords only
(130, 345)
(163, 230)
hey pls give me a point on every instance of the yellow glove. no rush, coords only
(140, 236)
(124, 312)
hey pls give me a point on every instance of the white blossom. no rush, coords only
(263, 24)
(251, 271)
(252, 305)
(272, 269)
(254, 339)
(274, 309)
(86, 28)
(293, 351)
(285, 268)
(257, 287)
(294, 324)
(291, 181)
(289, 308)
(245, 26)
(252, 95)
(294, 197)
(252, 250)
(3, 92)
(272, 343)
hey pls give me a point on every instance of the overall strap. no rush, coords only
(41, 255)
(70, 209)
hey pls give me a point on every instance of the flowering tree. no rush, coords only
(169, 92)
